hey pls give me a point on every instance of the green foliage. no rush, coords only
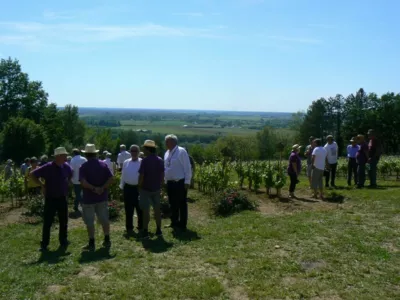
(19, 97)
(35, 206)
(21, 136)
(212, 178)
(113, 210)
(230, 201)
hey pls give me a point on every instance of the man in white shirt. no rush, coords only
(318, 161)
(178, 175)
(122, 156)
(76, 162)
(332, 155)
(129, 185)
(110, 164)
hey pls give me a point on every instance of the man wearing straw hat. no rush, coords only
(57, 175)
(150, 182)
(95, 178)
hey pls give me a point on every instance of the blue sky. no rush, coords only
(253, 55)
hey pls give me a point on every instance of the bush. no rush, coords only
(113, 210)
(231, 201)
(35, 206)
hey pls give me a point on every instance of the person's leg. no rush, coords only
(48, 218)
(361, 175)
(173, 194)
(309, 174)
(349, 171)
(88, 212)
(128, 204)
(320, 183)
(156, 203)
(144, 203)
(102, 214)
(333, 170)
(372, 172)
(292, 185)
(136, 206)
(183, 207)
(62, 210)
(78, 196)
(327, 176)
(354, 170)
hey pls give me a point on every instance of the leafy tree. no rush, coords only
(18, 95)
(241, 148)
(104, 140)
(73, 127)
(53, 127)
(22, 137)
(266, 143)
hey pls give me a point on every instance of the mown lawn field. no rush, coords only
(297, 249)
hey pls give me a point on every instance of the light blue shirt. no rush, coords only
(352, 151)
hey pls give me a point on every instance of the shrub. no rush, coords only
(165, 209)
(231, 201)
(35, 206)
(113, 210)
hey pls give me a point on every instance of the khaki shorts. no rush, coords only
(148, 199)
(317, 176)
(309, 170)
(98, 209)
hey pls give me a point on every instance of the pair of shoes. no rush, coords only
(89, 247)
(159, 232)
(145, 235)
(292, 196)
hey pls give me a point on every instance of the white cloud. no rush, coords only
(190, 14)
(295, 39)
(34, 33)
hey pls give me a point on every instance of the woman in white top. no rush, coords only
(319, 160)
(110, 164)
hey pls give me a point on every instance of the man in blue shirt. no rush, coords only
(352, 165)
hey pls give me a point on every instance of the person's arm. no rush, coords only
(313, 160)
(141, 173)
(187, 169)
(122, 181)
(39, 173)
(294, 165)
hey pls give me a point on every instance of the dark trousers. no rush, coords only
(352, 170)
(51, 207)
(331, 173)
(361, 175)
(131, 202)
(78, 196)
(373, 170)
(293, 182)
(177, 196)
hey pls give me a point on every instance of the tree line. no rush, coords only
(346, 117)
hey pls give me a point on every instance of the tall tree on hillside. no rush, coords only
(73, 127)
(18, 95)
(21, 138)
(53, 127)
(266, 143)
(316, 121)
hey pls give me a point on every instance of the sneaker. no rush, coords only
(43, 249)
(107, 244)
(145, 235)
(159, 232)
(89, 247)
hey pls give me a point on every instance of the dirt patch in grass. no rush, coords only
(90, 272)
(313, 265)
(12, 216)
(55, 289)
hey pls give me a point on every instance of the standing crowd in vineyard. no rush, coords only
(143, 176)
(322, 161)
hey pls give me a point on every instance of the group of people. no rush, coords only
(322, 162)
(142, 179)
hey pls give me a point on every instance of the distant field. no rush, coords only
(165, 129)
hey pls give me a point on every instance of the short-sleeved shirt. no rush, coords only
(56, 179)
(320, 154)
(374, 148)
(361, 157)
(96, 173)
(294, 158)
(152, 169)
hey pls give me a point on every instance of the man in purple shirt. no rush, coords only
(361, 159)
(57, 175)
(294, 169)
(150, 181)
(95, 177)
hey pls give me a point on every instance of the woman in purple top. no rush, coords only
(361, 159)
(57, 175)
(294, 169)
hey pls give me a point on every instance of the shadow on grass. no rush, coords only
(158, 245)
(52, 257)
(98, 255)
(306, 200)
(185, 235)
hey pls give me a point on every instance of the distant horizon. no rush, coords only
(182, 110)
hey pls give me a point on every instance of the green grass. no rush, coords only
(295, 250)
